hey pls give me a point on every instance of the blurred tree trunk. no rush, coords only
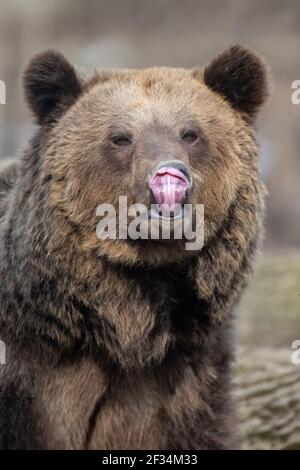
(268, 393)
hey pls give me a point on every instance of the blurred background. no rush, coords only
(188, 33)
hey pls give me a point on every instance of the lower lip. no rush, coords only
(153, 214)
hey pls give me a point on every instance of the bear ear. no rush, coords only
(241, 76)
(51, 85)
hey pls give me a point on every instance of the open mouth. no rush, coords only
(168, 186)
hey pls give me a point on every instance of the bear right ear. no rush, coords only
(241, 77)
(51, 85)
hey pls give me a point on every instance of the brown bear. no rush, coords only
(127, 343)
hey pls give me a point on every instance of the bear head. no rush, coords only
(162, 136)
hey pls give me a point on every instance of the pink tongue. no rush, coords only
(169, 186)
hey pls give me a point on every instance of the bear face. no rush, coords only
(106, 136)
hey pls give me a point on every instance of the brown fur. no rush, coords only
(117, 344)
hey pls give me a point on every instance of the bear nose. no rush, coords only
(169, 183)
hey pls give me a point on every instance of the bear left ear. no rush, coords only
(241, 76)
(51, 85)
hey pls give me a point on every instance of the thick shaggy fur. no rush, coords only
(120, 344)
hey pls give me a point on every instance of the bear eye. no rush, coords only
(189, 136)
(121, 140)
